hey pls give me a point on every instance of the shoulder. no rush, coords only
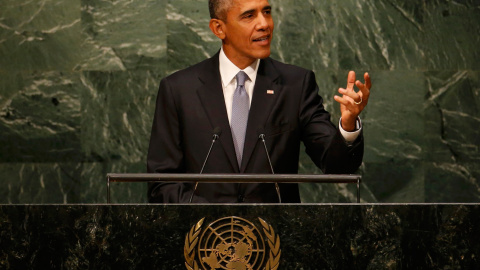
(283, 67)
(288, 72)
(188, 80)
(193, 71)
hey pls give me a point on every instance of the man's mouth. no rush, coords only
(261, 39)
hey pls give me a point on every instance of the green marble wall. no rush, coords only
(78, 81)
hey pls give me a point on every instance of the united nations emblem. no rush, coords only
(232, 243)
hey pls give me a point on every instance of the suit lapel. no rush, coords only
(262, 103)
(213, 101)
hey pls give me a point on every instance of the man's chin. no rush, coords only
(264, 54)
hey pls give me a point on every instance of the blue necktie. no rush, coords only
(240, 109)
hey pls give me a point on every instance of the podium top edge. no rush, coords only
(186, 177)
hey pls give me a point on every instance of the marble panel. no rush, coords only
(40, 116)
(40, 183)
(393, 181)
(124, 35)
(394, 117)
(189, 39)
(305, 33)
(381, 35)
(452, 117)
(452, 34)
(117, 114)
(62, 183)
(451, 182)
(394, 129)
(40, 35)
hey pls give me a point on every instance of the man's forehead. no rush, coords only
(249, 4)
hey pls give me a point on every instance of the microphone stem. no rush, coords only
(266, 151)
(215, 137)
(262, 136)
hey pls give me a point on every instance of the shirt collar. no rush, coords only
(228, 70)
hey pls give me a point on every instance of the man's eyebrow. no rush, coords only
(250, 11)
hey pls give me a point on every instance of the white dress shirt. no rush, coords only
(228, 71)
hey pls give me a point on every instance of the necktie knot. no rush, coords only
(241, 78)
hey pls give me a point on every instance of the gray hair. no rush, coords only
(218, 8)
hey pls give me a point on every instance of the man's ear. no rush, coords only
(217, 26)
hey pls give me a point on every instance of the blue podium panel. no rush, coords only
(325, 236)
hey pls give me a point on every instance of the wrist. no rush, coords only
(348, 125)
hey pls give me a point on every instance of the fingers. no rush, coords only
(350, 95)
(364, 88)
(352, 103)
(368, 82)
(350, 80)
(343, 100)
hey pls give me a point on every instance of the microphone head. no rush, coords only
(261, 132)
(217, 131)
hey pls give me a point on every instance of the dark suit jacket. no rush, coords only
(190, 105)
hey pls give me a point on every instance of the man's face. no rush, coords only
(248, 31)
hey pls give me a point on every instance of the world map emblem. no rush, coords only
(232, 243)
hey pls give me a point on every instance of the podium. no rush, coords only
(311, 236)
(240, 236)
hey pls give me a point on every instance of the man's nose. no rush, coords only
(262, 22)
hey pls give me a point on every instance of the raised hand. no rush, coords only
(352, 103)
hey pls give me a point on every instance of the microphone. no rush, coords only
(262, 137)
(216, 134)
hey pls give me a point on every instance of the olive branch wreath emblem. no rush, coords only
(191, 240)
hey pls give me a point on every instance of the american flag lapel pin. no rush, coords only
(270, 92)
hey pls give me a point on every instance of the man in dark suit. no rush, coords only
(278, 100)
